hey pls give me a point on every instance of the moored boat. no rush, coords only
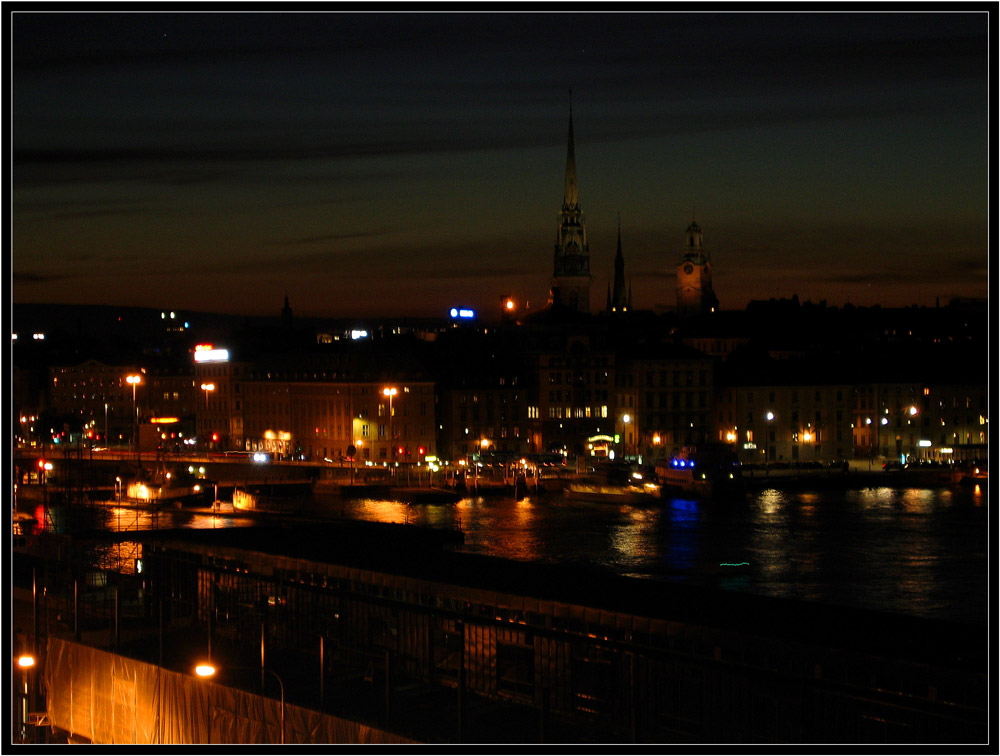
(705, 470)
(608, 494)
(247, 500)
(167, 488)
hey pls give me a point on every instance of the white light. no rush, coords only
(359, 334)
(38, 336)
(211, 355)
(885, 421)
(770, 416)
(259, 457)
(204, 670)
(924, 442)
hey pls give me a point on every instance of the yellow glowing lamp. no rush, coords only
(25, 661)
(204, 670)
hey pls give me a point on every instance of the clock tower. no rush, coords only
(571, 263)
(694, 276)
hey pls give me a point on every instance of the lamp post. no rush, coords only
(26, 663)
(390, 392)
(135, 380)
(206, 669)
(207, 387)
(626, 419)
(767, 441)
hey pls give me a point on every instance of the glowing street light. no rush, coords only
(206, 669)
(390, 392)
(134, 381)
(25, 663)
(207, 387)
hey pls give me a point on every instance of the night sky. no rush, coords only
(398, 164)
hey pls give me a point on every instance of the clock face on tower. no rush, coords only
(688, 268)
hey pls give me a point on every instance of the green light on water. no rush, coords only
(734, 564)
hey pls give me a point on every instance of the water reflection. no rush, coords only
(915, 551)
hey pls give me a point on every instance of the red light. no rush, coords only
(421, 450)
(41, 463)
(90, 434)
(215, 436)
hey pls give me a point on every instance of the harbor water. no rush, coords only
(916, 551)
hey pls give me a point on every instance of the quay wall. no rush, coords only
(608, 659)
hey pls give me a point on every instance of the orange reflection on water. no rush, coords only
(918, 500)
(635, 538)
(771, 501)
(383, 511)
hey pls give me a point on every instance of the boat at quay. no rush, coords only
(590, 493)
(704, 470)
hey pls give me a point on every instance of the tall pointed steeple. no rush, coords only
(571, 197)
(571, 262)
(286, 314)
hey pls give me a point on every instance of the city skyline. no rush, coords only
(399, 164)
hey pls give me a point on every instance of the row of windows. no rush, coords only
(587, 377)
(577, 413)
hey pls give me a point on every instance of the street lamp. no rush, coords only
(25, 662)
(135, 380)
(626, 419)
(767, 441)
(206, 669)
(390, 392)
(207, 387)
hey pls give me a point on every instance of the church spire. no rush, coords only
(286, 313)
(571, 198)
(571, 260)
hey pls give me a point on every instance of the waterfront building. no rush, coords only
(945, 423)
(576, 398)
(671, 394)
(790, 423)
(220, 416)
(99, 398)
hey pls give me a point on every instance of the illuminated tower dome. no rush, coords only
(694, 276)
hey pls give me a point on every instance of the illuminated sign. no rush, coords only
(750, 445)
(208, 353)
(163, 420)
(924, 443)
(359, 334)
(463, 313)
